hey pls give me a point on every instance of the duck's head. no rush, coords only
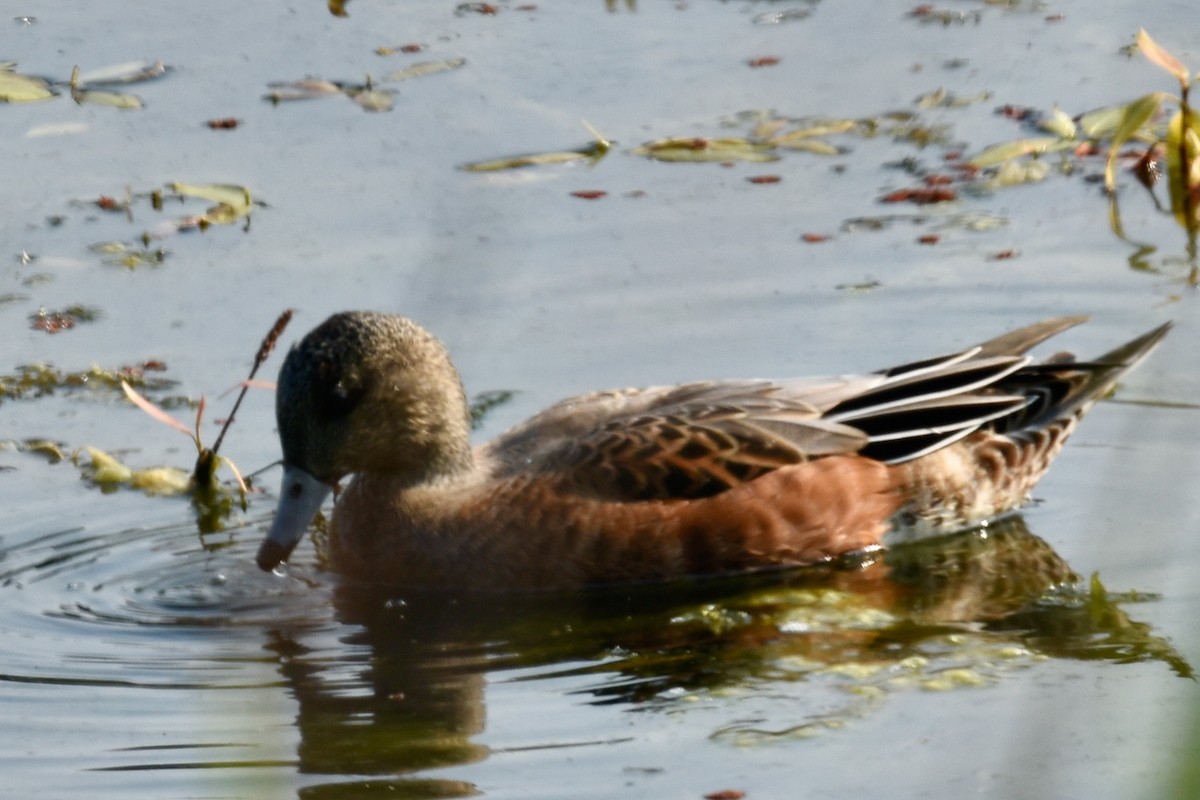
(363, 392)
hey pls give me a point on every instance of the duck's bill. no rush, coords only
(299, 501)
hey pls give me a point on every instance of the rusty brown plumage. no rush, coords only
(651, 484)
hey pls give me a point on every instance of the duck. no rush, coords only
(655, 484)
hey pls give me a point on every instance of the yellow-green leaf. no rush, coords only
(1007, 151)
(818, 146)
(698, 149)
(114, 99)
(1183, 143)
(1014, 173)
(425, 68)
(301, 90)
(106, 470)
(1059, 123)
(1133, 117)
(1160, 57)
(130, 72)
(160, 480)
(375, 99)
(1101, 123)
(232, 195)
(591, 153)
(831, 128)
(17, 88)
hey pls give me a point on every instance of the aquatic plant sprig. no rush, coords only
(1182, 141)
(201, 484)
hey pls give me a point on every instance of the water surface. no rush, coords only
(143, 658)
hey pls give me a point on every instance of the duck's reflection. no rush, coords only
(404, 692)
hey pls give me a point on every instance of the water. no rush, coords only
(144, 658)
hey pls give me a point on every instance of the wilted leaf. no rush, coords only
(106, 470)
(830, 128)
(1015, 173)
(1007, 151)
(154, 411)
(1183, 143)
(1101, 123)
(412, 47)
(425, 68)
(1157, 55)
(110, 474)
(56, 129)
(233, 202)
(301, 90)
(592, 152)
(768, 128)
(698, 149)
(1133, 117)
(1058, 123)
(816, 146)
(931, 99)
(17, 88)
(374, 99)
(129, 72)
(113, 99)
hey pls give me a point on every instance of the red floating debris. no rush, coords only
(1017, 113)
(589, 194)
(929, 238)
(725, 794)
(937, 180)
(764, 179)
(919, 196)
(223, 124)
(763, 61)
(1003, 255)
(815, 238)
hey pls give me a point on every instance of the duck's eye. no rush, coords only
(335, 398)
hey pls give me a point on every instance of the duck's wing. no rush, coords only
(700, 439)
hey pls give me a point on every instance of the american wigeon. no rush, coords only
(648, 484)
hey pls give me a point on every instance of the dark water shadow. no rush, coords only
(414, 698)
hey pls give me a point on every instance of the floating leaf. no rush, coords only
(17, 88)
(113, 99)
(1013, 173)
(816, 146)
(1160, 57)
(412, 47)
(931, 99)
(110, 474)
(282, 92)
(683, 149)
(233, 202)
(1000, 153)
(830, 128)
(56, 129)
(1059, 123)
(1101, 123)
(374, 99)
(1133, 117)
(1183, 144)
(591, 152)
(129, 72)
(425, 68)
(106, 470)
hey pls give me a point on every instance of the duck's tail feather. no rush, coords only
(1058, 387)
